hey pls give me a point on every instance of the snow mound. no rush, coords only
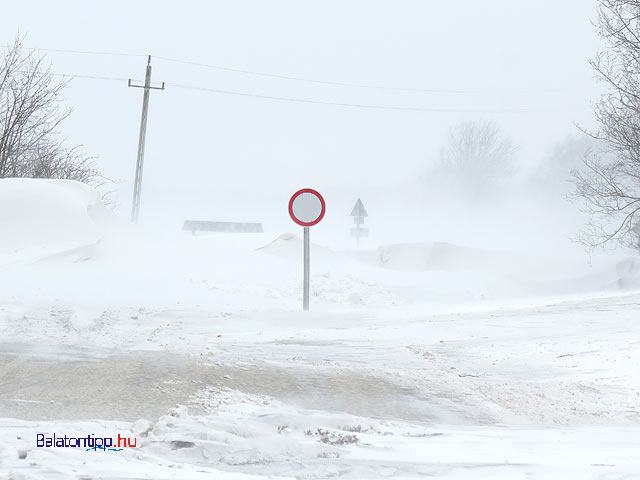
(407, 257)
(628, 271)
(41, 217)
(341, 289)
(438, 256)
(289, 245)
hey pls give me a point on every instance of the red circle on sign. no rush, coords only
(322, 207)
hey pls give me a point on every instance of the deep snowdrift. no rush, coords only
(44, 217)
(59, 242)
(441, 271)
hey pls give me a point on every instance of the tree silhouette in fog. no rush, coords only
(477, 157)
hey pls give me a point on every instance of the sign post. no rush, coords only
(306, 208)
(307, 266)
(358, 213)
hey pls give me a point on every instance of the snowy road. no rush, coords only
(360, 396)
(561, 363)
(128, 387)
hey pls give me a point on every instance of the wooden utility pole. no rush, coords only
(137, 185)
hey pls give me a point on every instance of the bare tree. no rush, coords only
(31, 112)
(477, 156)
(554, 172)
(609, 183)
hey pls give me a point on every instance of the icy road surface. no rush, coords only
(548, 391)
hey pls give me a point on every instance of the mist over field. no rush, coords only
(214, 155)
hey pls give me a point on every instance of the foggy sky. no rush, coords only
(529, 55)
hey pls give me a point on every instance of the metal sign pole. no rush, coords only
(306, 208)
(305, 293)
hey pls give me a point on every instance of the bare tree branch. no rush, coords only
(609, 183)
(31, 112)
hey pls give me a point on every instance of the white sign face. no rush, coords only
(307, 207)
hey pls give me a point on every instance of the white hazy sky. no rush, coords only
(524, 55)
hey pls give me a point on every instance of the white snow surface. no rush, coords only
(417, 360)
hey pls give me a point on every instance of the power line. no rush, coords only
(86, 52)
(324, 82)
(89, 77)
(73, 75)
(377, 107)
(368, 86)
(409, 108)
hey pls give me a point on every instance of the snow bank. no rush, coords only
(446, 272)
(628, 271)
(42, 217)
(417, 257)
(289, 246)
(61, 245)
(411, 257)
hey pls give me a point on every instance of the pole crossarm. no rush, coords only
(131, 84)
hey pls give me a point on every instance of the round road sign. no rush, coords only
(306, 207)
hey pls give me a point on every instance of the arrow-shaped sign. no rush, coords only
(358, 213)
(358, 210)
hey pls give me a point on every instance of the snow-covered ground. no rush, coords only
(416, 360)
